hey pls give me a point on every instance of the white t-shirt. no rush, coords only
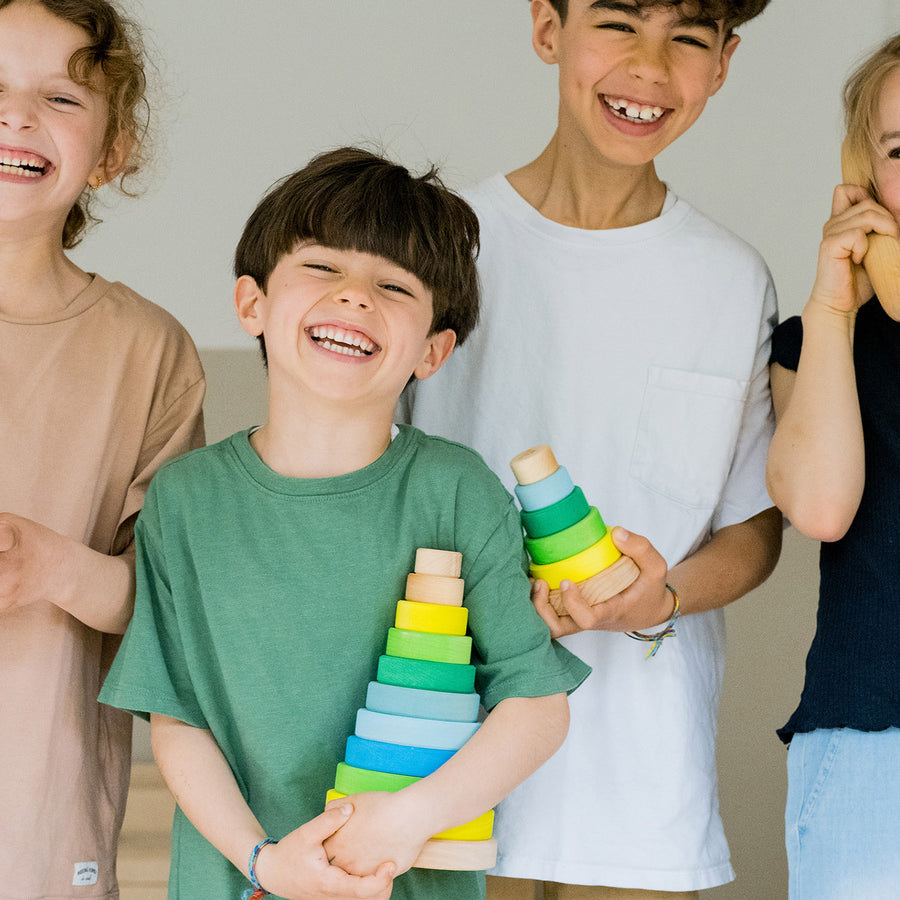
(640, 356)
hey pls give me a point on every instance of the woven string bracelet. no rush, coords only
(257, 892)
(660, 636)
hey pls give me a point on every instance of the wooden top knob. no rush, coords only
(534, 465)
(438, 562)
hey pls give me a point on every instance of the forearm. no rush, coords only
(735, 560)
(204, 787)
(97, 589)
(518, 736)
(816, 465)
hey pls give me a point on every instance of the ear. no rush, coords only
(545, 28)
(113, 162)
(247, 294)
(724, 62)
(440, 346)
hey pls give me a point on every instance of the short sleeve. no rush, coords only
(150, 672)
(786, 343)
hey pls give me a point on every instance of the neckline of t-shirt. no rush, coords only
(82, 301)
(272, 481)
(675, 209)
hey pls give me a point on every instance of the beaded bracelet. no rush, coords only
(668, 631)
(257, 892)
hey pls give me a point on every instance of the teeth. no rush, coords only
(28, 166)
(340, 341)
(635, 111)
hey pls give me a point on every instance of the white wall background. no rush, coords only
(252, 90)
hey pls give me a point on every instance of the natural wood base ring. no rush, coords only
(601, 586)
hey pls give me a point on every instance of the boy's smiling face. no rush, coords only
(631, 80)
(347, 325)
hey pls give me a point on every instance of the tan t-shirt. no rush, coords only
(92, 402)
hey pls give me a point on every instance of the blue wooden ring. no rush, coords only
(545, 492)
(397, 758)
(433, 733)
(420, 704)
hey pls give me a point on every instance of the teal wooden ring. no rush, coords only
(545, 492)
(426, 674)
(434, 733)
(448, 648)
(564, 514)
(569, 541)
(422, 704)
(350, 780)
(397, 758)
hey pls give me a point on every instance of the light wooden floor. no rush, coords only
(143, 863)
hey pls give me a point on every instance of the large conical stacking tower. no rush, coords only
(422, 707)
(565, 537)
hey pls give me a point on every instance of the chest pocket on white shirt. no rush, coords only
(687, 435)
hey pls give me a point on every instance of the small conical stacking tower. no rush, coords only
(422, 707)
(565, 537)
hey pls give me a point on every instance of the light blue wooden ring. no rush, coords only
(434, 733)
(404, 701)
(545, 492)
(396, 758)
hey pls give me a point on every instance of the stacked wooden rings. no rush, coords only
(566, 538)
(422, 707)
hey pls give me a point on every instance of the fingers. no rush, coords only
(330, 821)
(558, 625)
(647, 558)
(8, 537)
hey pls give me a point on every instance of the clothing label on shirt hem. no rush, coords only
(86, 873)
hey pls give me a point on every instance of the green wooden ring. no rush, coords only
(350, 780)
(569, 541)
(426, 674)
(447, 648)
(561, 515)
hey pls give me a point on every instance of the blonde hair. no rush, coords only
(862, 94)
(115, 48)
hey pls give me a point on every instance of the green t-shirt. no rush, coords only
(263, 603)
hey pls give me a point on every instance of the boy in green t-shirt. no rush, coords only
(269, 565)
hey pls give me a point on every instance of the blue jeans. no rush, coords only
(842, 818)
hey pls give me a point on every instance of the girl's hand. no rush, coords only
(841, 283)
(297, 867)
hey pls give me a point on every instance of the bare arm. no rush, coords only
(204, 787)
(816, 466)
(39, 564)
(735, 560)
(519, 735)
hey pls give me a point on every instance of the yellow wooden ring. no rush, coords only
(431, 617)
(438, 562)
(582, 565)
(435, 589)
(479, 829)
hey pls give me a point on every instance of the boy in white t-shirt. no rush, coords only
(631, 334)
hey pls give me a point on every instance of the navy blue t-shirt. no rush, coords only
(853, 666)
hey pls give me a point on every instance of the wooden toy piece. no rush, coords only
(534, 464)
(438, 562)
(443, 589)
(882, 259)
(602, 586)
(446, 648)
(432, 617)
(463, 856)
